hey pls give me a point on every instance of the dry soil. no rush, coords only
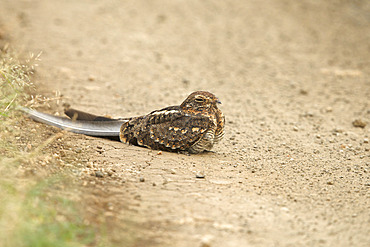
(292, 170)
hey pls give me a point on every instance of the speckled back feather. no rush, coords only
(194, 126)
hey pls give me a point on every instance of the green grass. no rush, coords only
(34, 211)
(14, 79)
(35, 216)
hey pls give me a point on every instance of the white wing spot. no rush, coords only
(166, 112)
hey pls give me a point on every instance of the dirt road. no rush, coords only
(292, 169)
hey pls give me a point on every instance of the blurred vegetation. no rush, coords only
(35, 210)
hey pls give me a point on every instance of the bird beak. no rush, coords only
(218, 101)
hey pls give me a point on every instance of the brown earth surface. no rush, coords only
(292, 170)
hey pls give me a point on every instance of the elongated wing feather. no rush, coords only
(81, 115)
(90, 128)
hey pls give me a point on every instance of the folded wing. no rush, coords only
(169, 129)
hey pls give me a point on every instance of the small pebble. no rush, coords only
(185, 81)
(330, 183)
(295, 128)
(366, 140)
(303, 92)
(359, 123)
(206, 241)
(159, 153)
(142, 179)
(285, 209)
(99, 174)
(200, 175)
(337, 131)
(328, 109)
(91, 78)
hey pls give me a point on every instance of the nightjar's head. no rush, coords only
(200, 101)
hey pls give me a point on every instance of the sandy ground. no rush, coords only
(292, 169)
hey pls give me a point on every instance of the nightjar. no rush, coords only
(194, 126)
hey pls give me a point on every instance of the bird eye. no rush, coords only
(199, 100)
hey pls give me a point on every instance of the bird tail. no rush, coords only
(80, 122)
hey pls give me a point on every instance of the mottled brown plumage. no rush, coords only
(194, 126)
